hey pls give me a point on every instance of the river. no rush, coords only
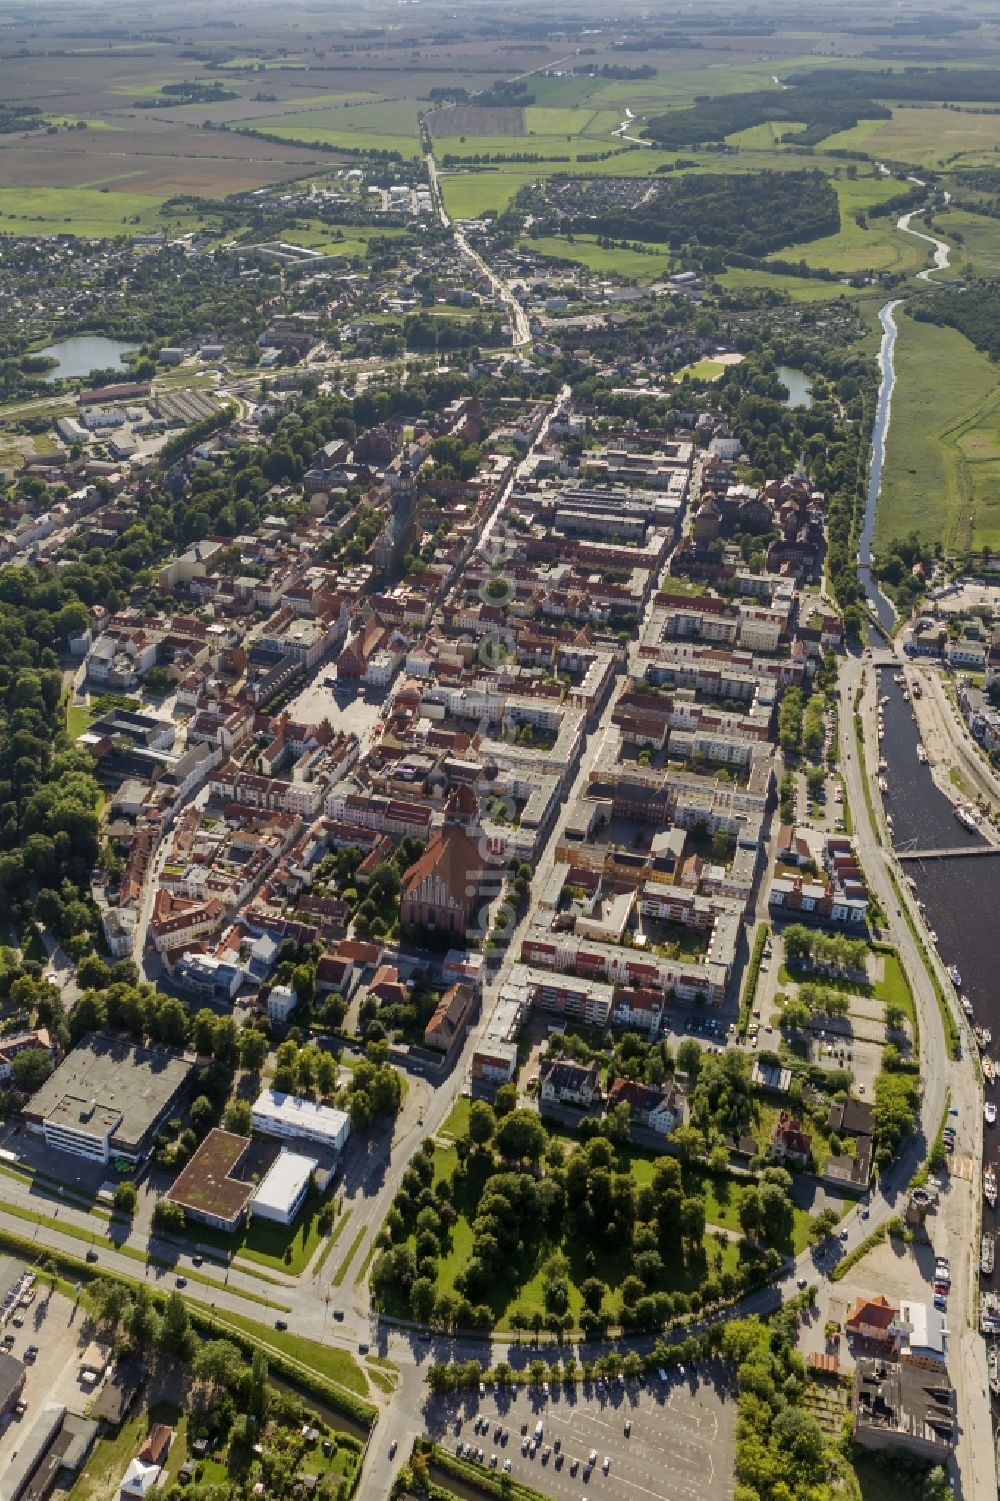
(957, 895)
(883, 412)
(880, 428)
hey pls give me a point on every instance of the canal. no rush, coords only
(957, 895)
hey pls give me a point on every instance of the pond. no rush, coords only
(797, 382)
(87, 352)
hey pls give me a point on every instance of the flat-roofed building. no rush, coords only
(294, 1118)
(210, 1189)
(107, 1099)
(283, 1191)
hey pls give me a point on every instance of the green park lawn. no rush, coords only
(797, 288)
(644, 265)
(88, 212)
(893, 989)
(522, 1289)
(942, 469)
(79, 718)
(285, 1248)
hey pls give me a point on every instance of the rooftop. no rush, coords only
(209, 1183)
(107, 1085)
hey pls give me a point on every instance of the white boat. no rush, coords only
(954, 976)
(965, 818)
(986, 1256)
(921, 755)
(932, 936)
(990, 1186)
(966, 1004)
(990, 1112)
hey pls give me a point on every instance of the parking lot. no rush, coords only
(680, 1443)
(50, 1324)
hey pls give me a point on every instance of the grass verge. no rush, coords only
(341, 1272)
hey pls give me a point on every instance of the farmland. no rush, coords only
(942, 472)
(855, 249)
(377, 127)
(927, 136)
(641, 265)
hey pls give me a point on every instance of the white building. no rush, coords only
(283, 1190)
(281, 1002)
(294, 1118)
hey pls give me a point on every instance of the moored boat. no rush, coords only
(986, 1255)
(990, 1186)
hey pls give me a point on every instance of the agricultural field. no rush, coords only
(471, 120)
(155, 157)
(854, 250)
(562, 135)
(975, 241)
(942, 470)
(641, 265)
(382, 126)
(927, 136)
(798, 288)
(764, 137)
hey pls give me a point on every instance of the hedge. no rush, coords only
(753, 975)
(295, 1373)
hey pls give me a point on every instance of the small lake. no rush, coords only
(797, 382)
(84, 353)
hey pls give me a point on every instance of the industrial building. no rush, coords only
(107, 1099)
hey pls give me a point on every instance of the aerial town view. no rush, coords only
(499, 751)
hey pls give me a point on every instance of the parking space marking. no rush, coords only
(667, 1456)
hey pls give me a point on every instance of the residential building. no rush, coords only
(446, 1029)
(790, 1143)
(562, 1082)
(658, 1110)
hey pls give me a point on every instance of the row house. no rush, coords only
(177, 922)
(383, 815)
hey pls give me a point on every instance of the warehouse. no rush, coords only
(107, 1099)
